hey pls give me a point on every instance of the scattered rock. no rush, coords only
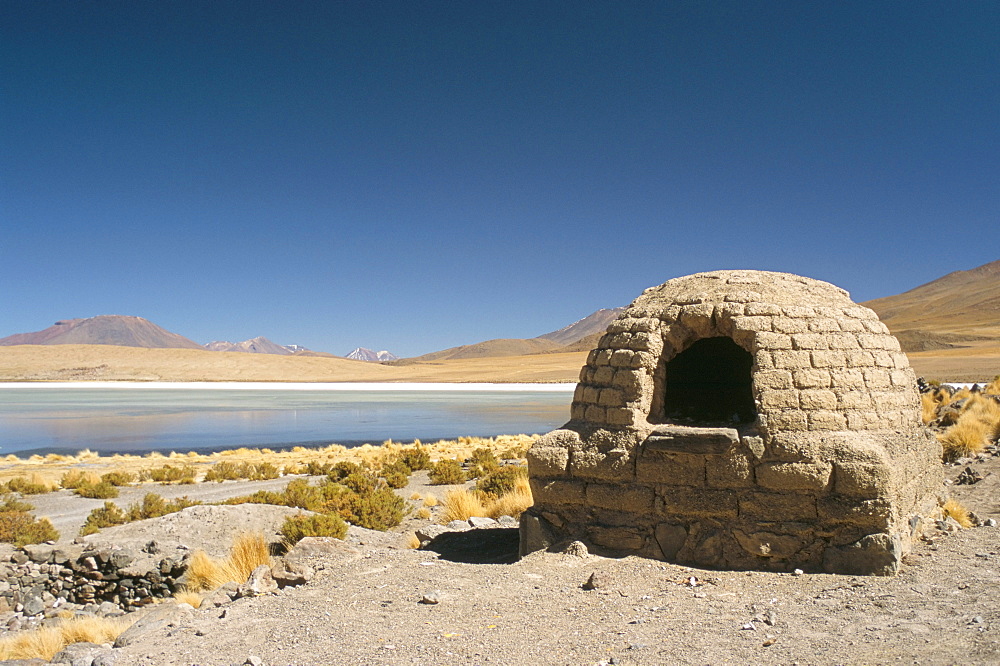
(154, 621)
(597, 581)
(260, 582)
(82, 654)
(576, 549)
(432, 598)
(293, 573)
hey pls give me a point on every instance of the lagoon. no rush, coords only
(121, 417)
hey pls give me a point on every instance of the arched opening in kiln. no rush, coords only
(710, 383)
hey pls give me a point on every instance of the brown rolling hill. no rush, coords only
(578, 336)
(118, 330)
(963, 306)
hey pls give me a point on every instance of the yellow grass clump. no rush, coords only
(249, 551)
(430, 500)
(461, 505)
(952, 509)
(514, 502)
(977, 427)
(189, 597)
(413, 542)
(424, 513)
(44, 643)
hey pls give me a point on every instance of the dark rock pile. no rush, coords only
(42, 579)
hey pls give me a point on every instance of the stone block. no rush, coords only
(794, 476)
(847, 378)
(844, 341)
(687, 439)
(791, 359)
(757, 309)
(556, 491)
(860, 359)
(799, 311)
(765, 380)
(877, 378)
(774, 507)
(827, 420)
(786, 420)
(603, 376)
(828, 358)
(621, 416)
(675, 469)
(670, 538)
(769, 544)
(595, 414)
(535, 533)
(854, 400)
(824, 325)
(875, 554)
(809, 377)
(767, 340)
(630, 498)
(698, 502)
(817, 399)
(613, 465)
(851, 325)
(788, 325)
(861, 479)
(617, 538)
(757, 324)
(729, 471)
(610, 397)
(882, 359)
(548, 461)
(871, 514)
(780, 399)
(810, 341)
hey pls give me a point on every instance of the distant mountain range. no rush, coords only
(364, 354)
(118, 330)
(259, 345)
(957, 310)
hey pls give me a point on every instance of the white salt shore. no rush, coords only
(294, 386)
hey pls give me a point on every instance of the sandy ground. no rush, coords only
(105, 362)
(364, 607)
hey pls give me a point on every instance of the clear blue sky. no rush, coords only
(412, 176)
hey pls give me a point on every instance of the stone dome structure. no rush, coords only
(741, 420)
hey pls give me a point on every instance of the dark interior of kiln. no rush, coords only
(709, 383)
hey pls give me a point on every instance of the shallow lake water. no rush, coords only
(138, 420)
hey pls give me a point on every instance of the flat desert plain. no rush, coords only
(109, 363)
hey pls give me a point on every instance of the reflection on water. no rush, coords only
(122, 420)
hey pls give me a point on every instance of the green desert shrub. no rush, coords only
(482, 462)
(106, 516)
(10, 503)
(119, 478)
(361, 482)
(102, 490)
(231, 471)
(415, 458)
(169, 474)
(298, 527)
(396, 479)
(154, 506)
(343, 469)
(24, 486)
(501, 481)
(447, 472)
(380, 509)
(21, 528)
(75, 478)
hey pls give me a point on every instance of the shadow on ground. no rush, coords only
(489, 546)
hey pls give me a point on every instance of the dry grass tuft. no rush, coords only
(430, 500)
(189, 597)
(203, 572)
(416, 496)
(413, 542)
(461, 505)
(952, 509)
(966, 438)
(46, 642)
(424, 513)
(514, 502)
(249, 551)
